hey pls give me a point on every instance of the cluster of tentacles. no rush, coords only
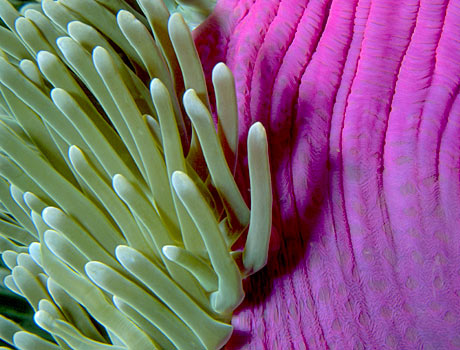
(119, 208)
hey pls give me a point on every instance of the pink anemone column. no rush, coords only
(362, 107)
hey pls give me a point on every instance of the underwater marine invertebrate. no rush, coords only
(119, 213)
(360, 100)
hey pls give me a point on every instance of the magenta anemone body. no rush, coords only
(361, 103)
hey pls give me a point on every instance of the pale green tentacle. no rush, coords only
(115, 227)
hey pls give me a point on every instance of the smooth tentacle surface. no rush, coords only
(119, 208)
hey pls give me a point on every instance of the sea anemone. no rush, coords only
(360, 102)
(121, 222)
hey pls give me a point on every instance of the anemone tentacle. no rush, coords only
(115, 227)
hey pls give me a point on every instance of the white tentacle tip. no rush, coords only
(51, 215)
(257, 132)
(119, 184)
(157, 87)
(101, 60)
(64, 43)
(34, 251)
(221, 70)
(44, 57)
(61, 99)
(74, 26)
(124, 254)
(170, 252)
(43, 319)
(190, 96)
(95, 271)
(74, 153)
(174, 20)
(179, 180)
(124, 15)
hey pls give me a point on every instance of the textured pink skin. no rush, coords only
(362, 107)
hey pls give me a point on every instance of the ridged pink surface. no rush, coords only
(362, 107)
